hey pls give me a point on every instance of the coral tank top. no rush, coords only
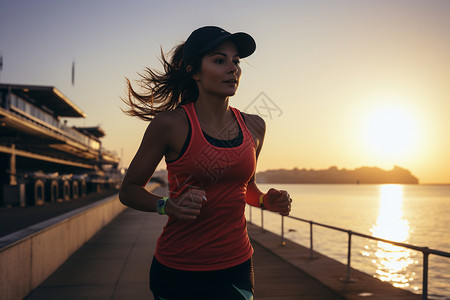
(218, 238)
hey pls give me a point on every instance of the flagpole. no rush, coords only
(73, 72)
(1, 65)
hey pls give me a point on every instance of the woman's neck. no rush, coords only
(213, 111)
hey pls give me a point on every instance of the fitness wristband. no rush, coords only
(261, 201)
(161, 205)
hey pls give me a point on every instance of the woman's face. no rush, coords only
(220, 72)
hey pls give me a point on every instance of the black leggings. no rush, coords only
(235, 283)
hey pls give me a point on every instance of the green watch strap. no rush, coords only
(161, 205)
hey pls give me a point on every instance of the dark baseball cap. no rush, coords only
(207, 38)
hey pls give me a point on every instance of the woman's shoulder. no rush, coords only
(168, 125)
(170, 119)
(254, 122)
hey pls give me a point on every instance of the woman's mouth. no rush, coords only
(231, 81)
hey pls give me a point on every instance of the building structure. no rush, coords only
(41, 157)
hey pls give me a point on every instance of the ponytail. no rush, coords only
(163, 91)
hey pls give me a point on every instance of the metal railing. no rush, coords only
(425, 250)
(32, 113)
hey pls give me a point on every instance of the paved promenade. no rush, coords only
(115, 264)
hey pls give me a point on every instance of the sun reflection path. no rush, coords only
(391, 261)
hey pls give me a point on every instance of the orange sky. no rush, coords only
(351, 83)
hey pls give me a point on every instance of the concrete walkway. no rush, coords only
(112, 265)
(115, 264)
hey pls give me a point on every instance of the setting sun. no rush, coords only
(390, 131)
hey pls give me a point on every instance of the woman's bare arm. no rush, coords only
(161, 137)
(274, 200)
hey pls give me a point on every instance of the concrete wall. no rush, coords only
(29, 256)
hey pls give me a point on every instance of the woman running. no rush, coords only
(211, 150)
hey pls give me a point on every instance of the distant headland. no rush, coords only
(362, 175)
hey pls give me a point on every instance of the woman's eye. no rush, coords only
(219, 61)
(236, 61)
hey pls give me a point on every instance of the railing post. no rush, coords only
(349, 258)
(349, 254)
(283, 243)
(425, 274)
(262, 220)
(311, 250)
(250, 212)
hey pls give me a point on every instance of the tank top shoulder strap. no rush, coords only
(192, 117)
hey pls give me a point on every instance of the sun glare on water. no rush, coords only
(392, 261)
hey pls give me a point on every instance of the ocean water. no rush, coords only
(413, 214)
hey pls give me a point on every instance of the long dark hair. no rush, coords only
(163, 91)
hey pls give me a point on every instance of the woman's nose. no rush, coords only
(233, 68)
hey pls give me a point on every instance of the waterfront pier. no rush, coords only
(114, 264)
